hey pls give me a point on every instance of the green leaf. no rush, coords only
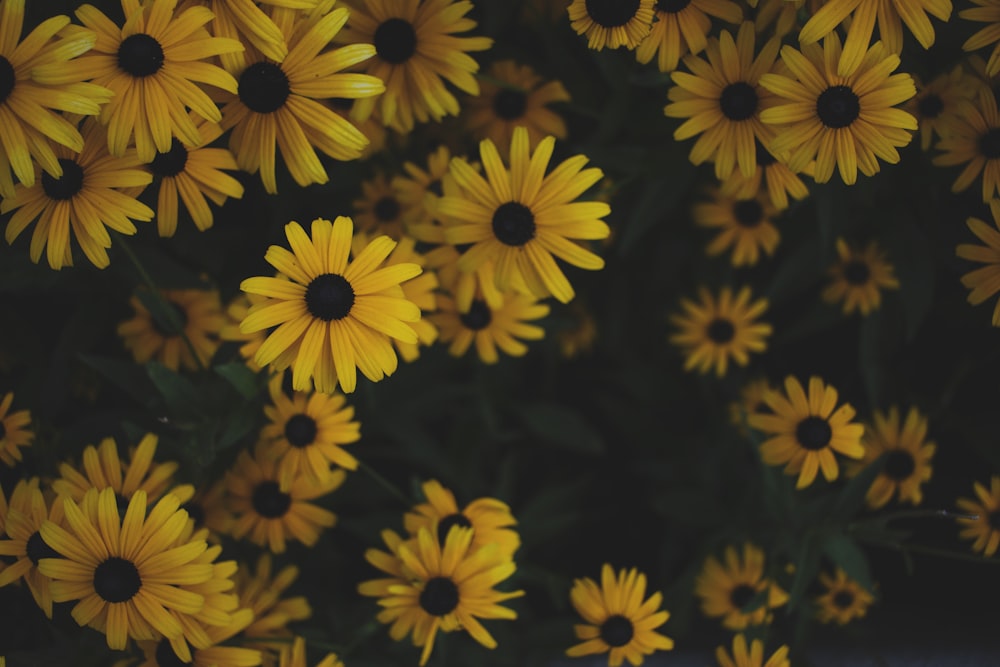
(560, 426)
(852, 497)
(244, 380)
(806, 566)
(125, 375)
(849, 557)
(179, 393)
(909, 253)
(872, 336)
(165, 315)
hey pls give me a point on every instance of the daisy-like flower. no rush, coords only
(268, 516)
(806, 430)
(262, 591)
(79, 204)
(936, 106)
(306, 433)
(843, 121)
(620, 620)
(236, 312)
(722, 99)
(752, 655)
(418, 191)
(984, 281)
(843, 600)
(444, 587)
(340, 314)
(746, 226)
(751, 400)
(681, 27)
(418, 51)
(379, 210)
(908, 457)
(611, 23)
(777, 17)
(891, 14)
(983, 523)
(153, 63)
(728, 589)
(161, 653)
(985, 11)
(25, 514)
(279, 106)
(295, 656)
(771, 175)
(975, 141)
(14, 431)
(717, 330)
(489, 518)
(489, 328)
(858, 278)
(27, 106)
(513, 96)
(520, 217)
(197, 313)
(246, 20)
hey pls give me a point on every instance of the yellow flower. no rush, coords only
(728, 588)
(844, 599)
(859, 277)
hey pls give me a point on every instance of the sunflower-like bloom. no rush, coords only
(196, 313)
(26, 105)
(521, 217)
(14, 431)
(280, 106)
(722, 99)
(937, 104)
(771, 176)
(806, 430)
(746, 226)
(620, 620)
(25, 514)
(520, 97)
(419, 190)
(858, 278)
(161, 653)
(682, 27)
(750, 401)
(984, 281)
(436, 586)
(295, 656)
(611, 23)
(976, 141)
(247, 21)
(727, 589)
(717, 330)
(417, 52)
(79, 204)
(379, 211)
(306, 433)
(908, 455)
(489, 518)
(986, 11)
(777, 17)
(983, 523)
(752, 655)
(262, 591)
(848, 121)
(340, 314)
(843, 600)
(891, 14)
(490, 328)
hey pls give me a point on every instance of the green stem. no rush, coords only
(931, 551)
(921, 514)
(384, 483)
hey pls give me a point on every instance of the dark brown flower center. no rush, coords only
(478, 317)
(445, 524)
(329, 297)
(300, 430)
(612, 13)
(140, 55)
(813, 433)
(741, 595)
(513, 224)
(738, 101)
(510, 104)
(989, 143)
(672, 6)
(8, 79)
(930, 105)
(117, 580)
(172, 162)
(36, 549)
(439, 597)
(66, 186)
(843, 599)
(856, 272)
(395, 41)
(720, 330)
(838, 106)
(263, 87)
(899, 465)
(269, 501)
(617, 630)
(386, 209)
(748, 213)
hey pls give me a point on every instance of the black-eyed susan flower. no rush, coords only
(777, 17)
(262, 590)
(771, 176)
(908, 455)
(985, 11)
(611, 23)
(294, 655)
(418, 191)
(442, 587)
(489, 518)
(189, 341)
(25, 514)
(750, 401)
(843, 121)
(418, 51)
(248, 21)
(620, 620)
(806, 430)
(270, 517)
(379, 210)
(306, 433)
(14, 431)
(721, 100)
(161, 653)
(487, 328)
(843, 600)
(681, 27)
(984, 281)
(858, 278)
(936, 105)
(341, 314)
(27, 106)
(715, 331)
(746, 226)
(736, 590)
(279, 107)
(975, 142)
(250, 342)
(982, 526)
(80, 204)
(751, 655)
(515, 95)
(522, 218)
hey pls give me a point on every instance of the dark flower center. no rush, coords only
(989, 144)
(439, 597)
(140, 55)
(269, 501)
(165, 656)
(395, 41)
(478, 317)
(513, 224)
(843, 599)
(172, 162)
(263, 87)
(856, 272)
(8, 79)
(329, 297)
(738, 101)
(195, 511)
(930, 106)
(510, 104)
(617, 630)
(764, 157)
(672, 6)
(300, 430)
(748, 212)
(612, 13)
(838, 106)
(116, 580)
(741, 595)
(813, 433)
(899, 465)
(37, 549)
(386, 209)
(720, 330)
(168, 330)
(66, 186)
(444, 526)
